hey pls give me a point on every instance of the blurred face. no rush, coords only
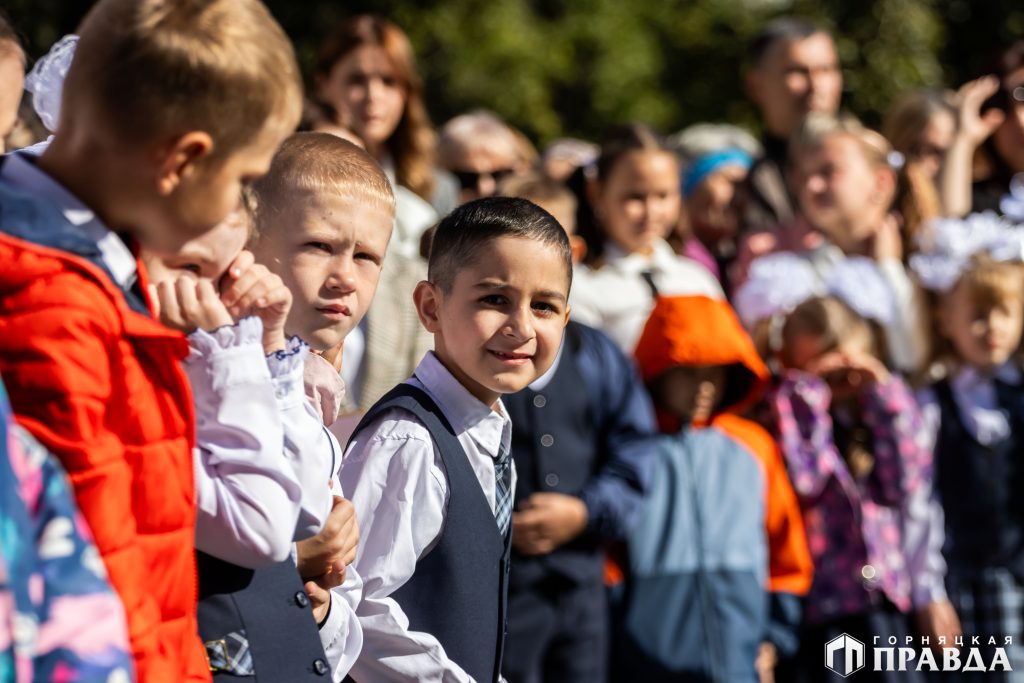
(207, 256)
(365, 90)
(716, 207)
(839, 192)
(12, 75)
(640, 202)
(479, 168)
(935, 139)
(1009, 137)
(206, 193)
(690, 393)
(795, 78)
(500, 326)
(984, 335)
(328, 250)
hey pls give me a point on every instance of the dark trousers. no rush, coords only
(557, 633)
(808, 665)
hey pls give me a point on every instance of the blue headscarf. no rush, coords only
(699, 170)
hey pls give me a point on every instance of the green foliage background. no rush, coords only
(575, 67)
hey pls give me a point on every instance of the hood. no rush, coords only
(699, 331)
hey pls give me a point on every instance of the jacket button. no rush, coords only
(320, 667)
(551, 480)
(540, 401)
(547, 441)
(301, 599)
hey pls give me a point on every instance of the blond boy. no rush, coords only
(146, 154)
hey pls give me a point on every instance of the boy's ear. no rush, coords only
(427, 298)
(180, 158)
(578, 245)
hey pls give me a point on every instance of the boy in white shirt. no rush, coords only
(323, 217)
(428, 469)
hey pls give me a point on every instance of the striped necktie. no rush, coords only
(503, 489)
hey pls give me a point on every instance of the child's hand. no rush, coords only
(938, 620)
(324, 557)
(974, 127)
(249, 288)
(887, 243)
(319, 599)
(188, 304)
(546, 521)
(848, 371)
(765, 663)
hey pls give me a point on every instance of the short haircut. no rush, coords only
(781, 30)
(467, 231)
(321, 163)
(159, 68)
(475, 130)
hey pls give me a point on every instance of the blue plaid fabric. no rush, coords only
(991, 604)
(503, 489)
(231, 655)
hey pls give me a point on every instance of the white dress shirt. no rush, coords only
(247, 494)
(615, 298)
(394, 476)
(975, 396)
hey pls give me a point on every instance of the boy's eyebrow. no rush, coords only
(498, 284)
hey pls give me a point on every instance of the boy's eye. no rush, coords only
(493, 299)
(545, 307)
(190, 267)
(320, 246)
(366, 256)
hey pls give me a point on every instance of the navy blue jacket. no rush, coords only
(590, 432)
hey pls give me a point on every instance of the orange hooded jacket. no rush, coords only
(699, 331)
(101, 386)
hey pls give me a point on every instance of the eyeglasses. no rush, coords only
(470, 180)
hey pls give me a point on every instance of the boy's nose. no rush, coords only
(342, 276)
(520, 324)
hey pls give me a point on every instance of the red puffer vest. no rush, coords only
(101, 386)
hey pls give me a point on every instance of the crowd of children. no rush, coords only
(369, 403)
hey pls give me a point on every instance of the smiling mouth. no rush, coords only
(511, 357)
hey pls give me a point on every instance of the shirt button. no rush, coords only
(301, 599)
(547, 441)
(540, 401)
(868, 572)
(551, 480)
(320, 667)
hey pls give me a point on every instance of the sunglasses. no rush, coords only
(470, 180)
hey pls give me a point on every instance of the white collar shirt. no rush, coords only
(616, 298)
(394, 476)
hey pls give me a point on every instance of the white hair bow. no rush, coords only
(46, 80)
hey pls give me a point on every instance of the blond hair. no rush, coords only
(319, 163)
(159, 68)
(991, 283)
(819, 126)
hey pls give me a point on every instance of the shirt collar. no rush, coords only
(968, 378)
(490, 429)
(659, 259)
(23, 174)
